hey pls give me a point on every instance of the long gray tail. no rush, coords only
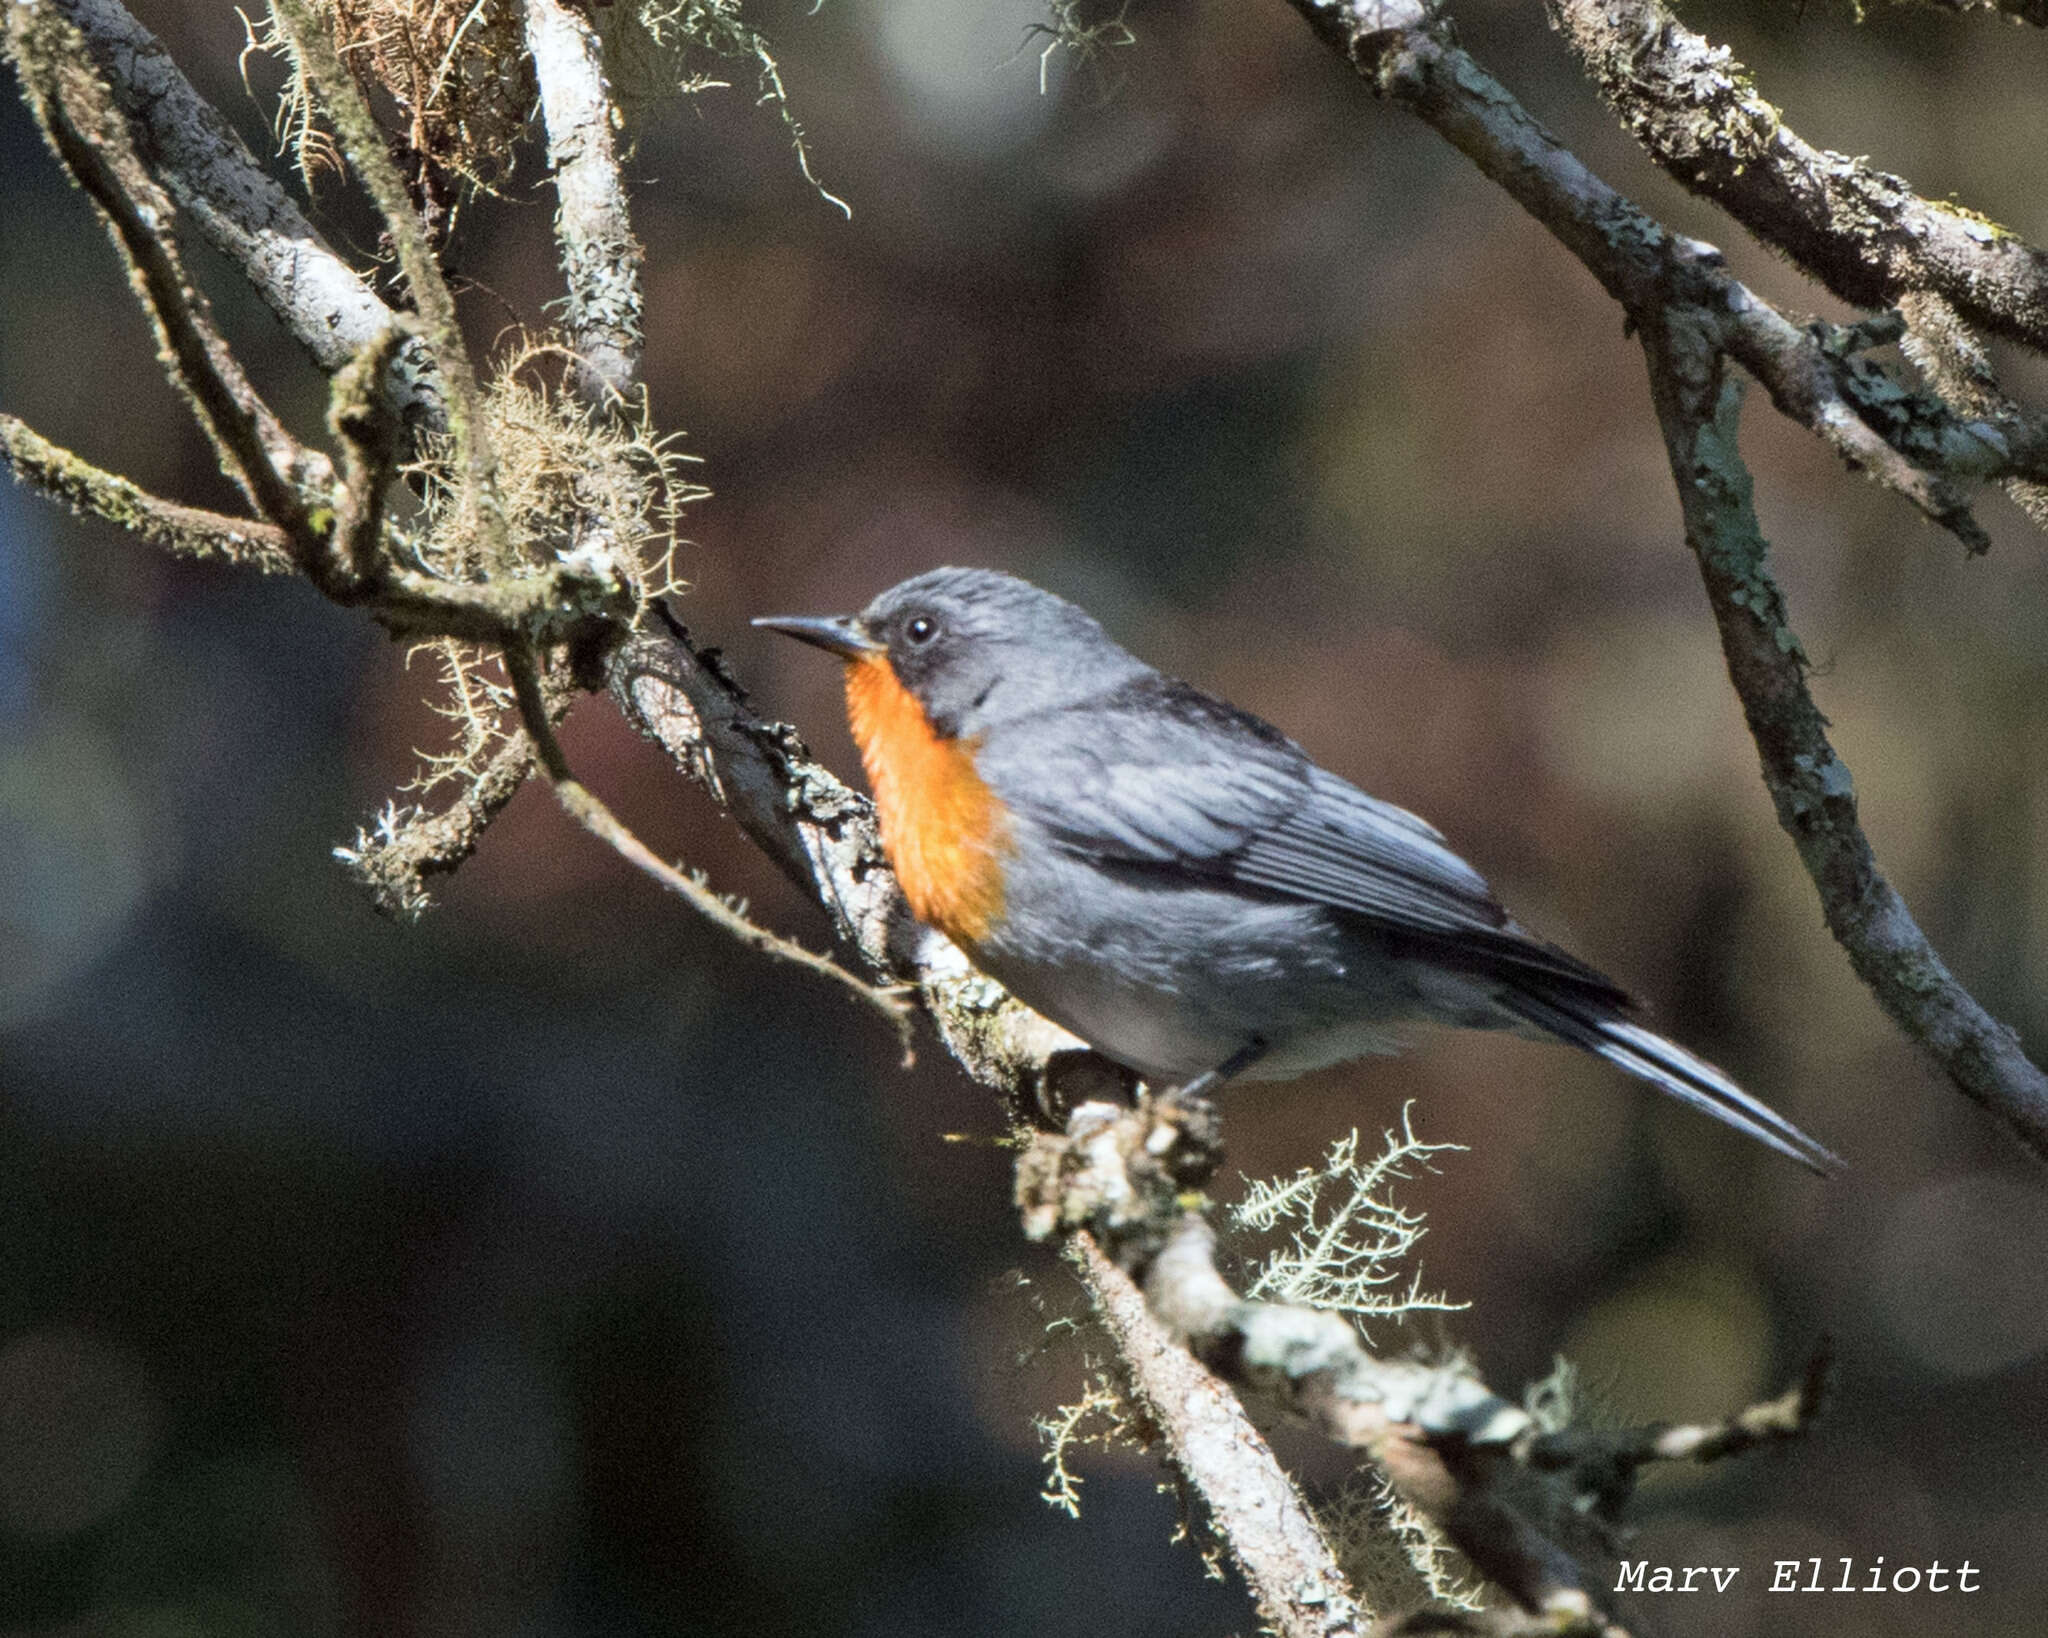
(1669, 1066)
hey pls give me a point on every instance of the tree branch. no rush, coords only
(1944, 349)
(1455, 1450)
(1911, 442)
(2027, 11)
(1225, 1461)
(1698, 408)
(600, 257)
(1680, 297)
(89, 137)
(440, 327)
(395, 857)
(1535, 1509)
(239, 210)
(1864, 234)
(370, 435)
(88, 491)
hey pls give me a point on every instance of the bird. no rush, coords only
(1177, 882)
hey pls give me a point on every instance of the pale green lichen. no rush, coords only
(1974, 222)
(1101, 1416)
(1342, 1239)
(1725, 531)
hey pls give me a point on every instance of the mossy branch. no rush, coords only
(440, 326)
(241, 211)
(371, 438)
(1864, 234)
(1699, 408)
(1533, 1505)
(1943, 347)
(88, 491)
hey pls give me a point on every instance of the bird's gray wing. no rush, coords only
(1158, 774)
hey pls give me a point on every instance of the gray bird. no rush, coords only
(1175, 880)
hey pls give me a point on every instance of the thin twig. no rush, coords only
(395, 857)
(370, 434)
(91, 492)
(584, 806)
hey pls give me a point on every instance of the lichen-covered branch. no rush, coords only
(1953, 356)
(600, 257)
(1527, 1506)
(1252, 1505)
(241, 211)
(1911, 442)
(90, 492)
(1698, 407)
(822, 836)
(2026, 11)
(371, 438)
(1533, 1507)
(405, 848)
(1864, 234)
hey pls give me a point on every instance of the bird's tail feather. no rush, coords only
(1668, 1066)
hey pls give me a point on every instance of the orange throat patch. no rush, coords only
(942, 828)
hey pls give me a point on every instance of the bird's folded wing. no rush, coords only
(1160, 774)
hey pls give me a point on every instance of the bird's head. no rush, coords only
(972, 647)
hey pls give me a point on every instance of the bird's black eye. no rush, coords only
(920, 629)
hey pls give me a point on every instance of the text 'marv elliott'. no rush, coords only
(1800, 1575)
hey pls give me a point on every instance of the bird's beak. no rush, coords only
(839, 634)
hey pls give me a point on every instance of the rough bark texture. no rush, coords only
(219, 186)
(600, 257)
(1252, 1505)
(1863, 233)
(1699, 407)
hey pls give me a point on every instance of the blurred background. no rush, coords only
(554, 1267)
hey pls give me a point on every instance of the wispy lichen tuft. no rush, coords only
(594, 488)
(456, 71)
(1391, 1552)
(1345, 1239)
(1101, 1416)
(1088, 30)
(657, 49)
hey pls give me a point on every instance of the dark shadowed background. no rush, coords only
(556, 1267)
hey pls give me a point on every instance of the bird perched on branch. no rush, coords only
(1173, 879)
